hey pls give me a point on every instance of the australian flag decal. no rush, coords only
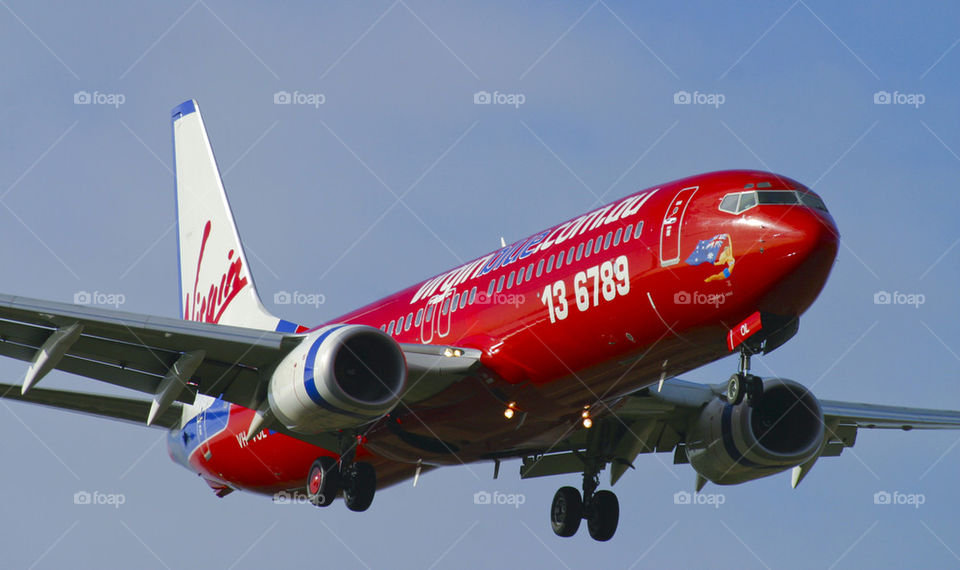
(707, 250)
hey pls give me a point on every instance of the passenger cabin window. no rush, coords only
(560, 260)
(627, 232)
(579, 251)
(589, 249)
(446, 306)
(463, 301)
(570, 255)
(473, 294)
(500, 284)
(638, 231)
(616, 237)
(490, 288)
(529, 272)
(453, 302)
(550, 264)
(520, 276)
(390, 327)
(510, 280)
(606, 240)
(430, 312)
(598, 245)
(419, 317)
(408, 323)
(540, 268)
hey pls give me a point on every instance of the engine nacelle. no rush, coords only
(730, 444)
(340, 376)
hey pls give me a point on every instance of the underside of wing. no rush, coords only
(136, 351)
(888, 417)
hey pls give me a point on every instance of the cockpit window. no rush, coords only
(773, 197)
(743, 201)
(813, 201)
(729, 203)
(747, 201)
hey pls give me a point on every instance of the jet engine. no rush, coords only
(730, 444)
(339, 376)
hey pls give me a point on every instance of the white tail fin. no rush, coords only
(215, 281)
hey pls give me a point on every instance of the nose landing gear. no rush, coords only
(743, 383)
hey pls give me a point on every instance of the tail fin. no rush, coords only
(215, 281)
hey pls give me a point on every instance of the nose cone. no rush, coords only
(799, 247)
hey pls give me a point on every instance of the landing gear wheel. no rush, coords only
(566, 512)
(735, 389)
(360, 486)
(323, 482)
(603, 514)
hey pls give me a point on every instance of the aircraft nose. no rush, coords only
(799, 249)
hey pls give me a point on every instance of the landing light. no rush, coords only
(587, 420)
(511, 409)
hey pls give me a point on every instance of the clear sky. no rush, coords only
(87, 206)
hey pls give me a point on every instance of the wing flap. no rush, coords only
(112, 407)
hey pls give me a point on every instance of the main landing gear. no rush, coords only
(601, 509)
(743, 383)
(357, 480)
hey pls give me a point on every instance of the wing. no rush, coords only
(888, 417)
(655, 420)
(148, 354)
(112, 407)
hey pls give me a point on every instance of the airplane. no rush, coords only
(563, 349)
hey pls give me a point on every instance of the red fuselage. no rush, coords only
(586, 311)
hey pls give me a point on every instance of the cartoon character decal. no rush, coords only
(717, 250)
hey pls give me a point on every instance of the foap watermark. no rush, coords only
(515, 299)
(697, 98)
(897, 498)
(292, 498)
(97, 98)
(99, 298)
(698, 298)
(710, 499)
(298, 98)
(898, 98)
(899, 298)
(98, 498)
(498, 98)
(498, 498)
(298, 298)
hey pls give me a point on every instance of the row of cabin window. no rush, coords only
(575, 253)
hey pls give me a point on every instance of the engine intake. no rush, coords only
(340, 376)
(730, 444)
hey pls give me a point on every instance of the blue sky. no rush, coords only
(87, 205)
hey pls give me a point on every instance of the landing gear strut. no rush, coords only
(600, 508)
(328, 476)
(743, 383)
